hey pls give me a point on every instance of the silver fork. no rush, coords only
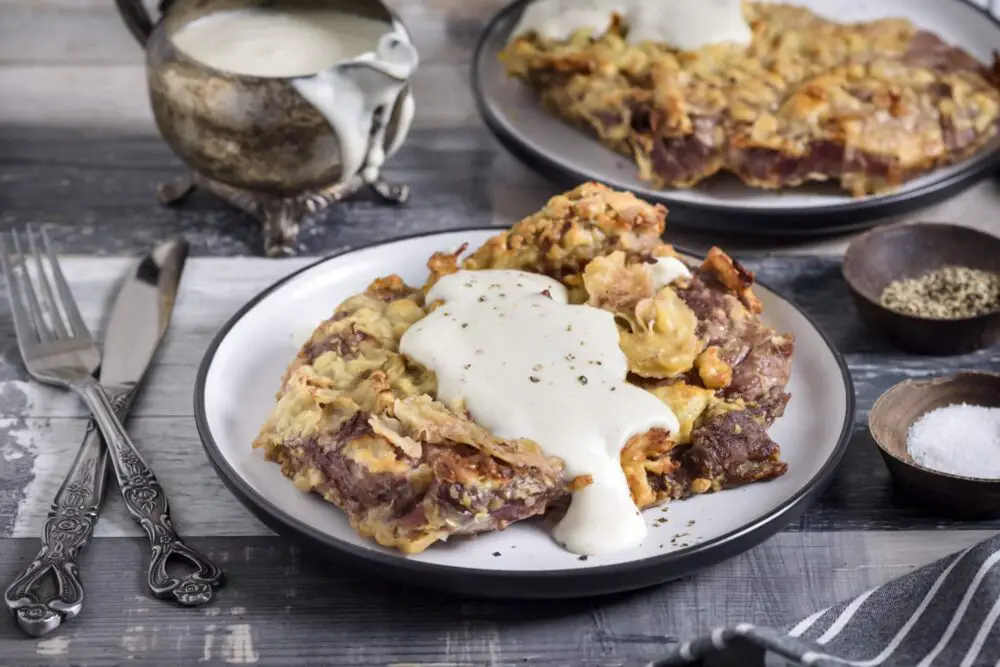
(58, 350)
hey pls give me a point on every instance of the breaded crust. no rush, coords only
(868, 105)
(357, 423)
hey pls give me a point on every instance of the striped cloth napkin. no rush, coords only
(943, 614)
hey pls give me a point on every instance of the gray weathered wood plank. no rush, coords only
(286, 608)
(90, 187)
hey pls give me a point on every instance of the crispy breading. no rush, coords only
(869, 105)
(358, 423)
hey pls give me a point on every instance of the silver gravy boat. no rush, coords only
(258, 142)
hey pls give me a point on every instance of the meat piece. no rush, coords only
(408, 503)
(682, 161)
(714, 306)
(761, 358)
(405, 482)
(759, 379)
(732, 449)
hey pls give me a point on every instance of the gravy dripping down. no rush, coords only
(318, 50)
(685, 25)
(528, 365)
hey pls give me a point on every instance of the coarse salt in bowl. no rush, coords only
(940, 440)
(958, 439)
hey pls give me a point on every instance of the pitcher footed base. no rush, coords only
(280, 216)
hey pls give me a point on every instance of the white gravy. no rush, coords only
(685, 25)
(308, 44)
(271, 42)
(528, 365)
(688, 25)
(559, 19)
(667, 270)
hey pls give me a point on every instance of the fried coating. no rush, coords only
(357, 422)
(867, 105)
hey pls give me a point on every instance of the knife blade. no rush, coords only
(139, 319)
(140, 315)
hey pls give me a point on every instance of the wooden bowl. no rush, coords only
(889, 422)
(883, 255)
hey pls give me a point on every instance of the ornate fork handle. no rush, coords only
(68, 528)
(147, 503)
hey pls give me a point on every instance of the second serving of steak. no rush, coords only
(868, 105)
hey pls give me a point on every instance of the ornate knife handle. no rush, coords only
(147, 503)
(68, 528)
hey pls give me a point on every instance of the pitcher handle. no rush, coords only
(137, 19)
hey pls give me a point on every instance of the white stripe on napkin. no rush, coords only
(980, 639)
(810, 657)
(960, 612)
(844, 618)
(807, 623)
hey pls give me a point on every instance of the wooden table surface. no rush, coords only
(78, 151)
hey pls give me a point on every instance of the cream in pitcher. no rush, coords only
(351, 68)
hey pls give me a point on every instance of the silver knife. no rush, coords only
(138, 321)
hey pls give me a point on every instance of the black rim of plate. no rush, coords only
(537, 584)
(826, 219)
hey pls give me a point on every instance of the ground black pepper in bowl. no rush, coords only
(928, 288)
(951, 292)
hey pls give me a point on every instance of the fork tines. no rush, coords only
(52, 316)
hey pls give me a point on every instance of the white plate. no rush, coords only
(241, 373)
(723, 203)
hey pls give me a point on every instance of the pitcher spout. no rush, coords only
(394, 57)
(361, 99)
